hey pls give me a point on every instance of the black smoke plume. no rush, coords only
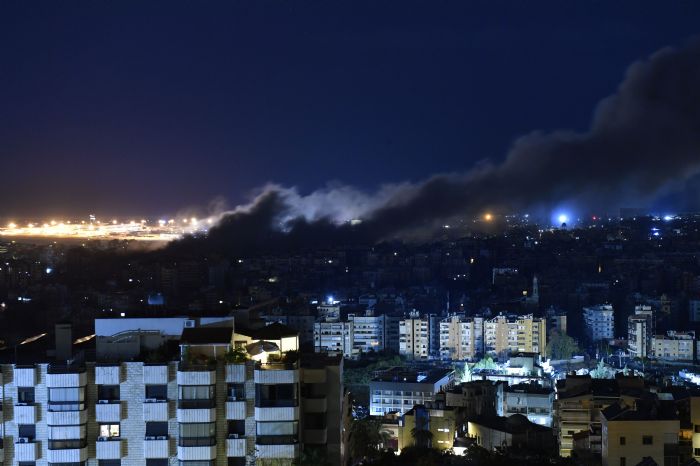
(644, 140)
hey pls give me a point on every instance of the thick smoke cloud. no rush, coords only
(644, 140)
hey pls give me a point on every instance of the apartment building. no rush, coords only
(461, 338)
(333, 336)
(579, 400)
(600, 322)
(399, 389)
(369, 332)
(195, 410)
(440, 422)
(639, 332)
(529, 399)
(643, 431)
(414, 336)
(515, 334)
(674, 346)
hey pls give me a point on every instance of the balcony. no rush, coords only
(235, 410)
(235, 373)
(108, 411)
(276, 413)
(109, 449)
(26, 414)
(235, 447)
(156, 447)
(155, 374)
(156, 411)
(283, 451)
(315, 405)
(67, 455)
(66, 418)
(59, 375)
(108, 374)
(196, 414)
(26, 451)
(274, 373)
(196, 452)
(196, 374)
(25, 376)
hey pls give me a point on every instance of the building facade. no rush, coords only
(414, 337)
(515, 334)
(600, 322)
(461, 338)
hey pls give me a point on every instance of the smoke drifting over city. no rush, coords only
(644, 141)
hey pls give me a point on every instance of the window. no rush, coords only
(67, 444)
(241, 461)
(697, 428)
(235, 391)
(27, 431)
(156, 429)
(196, 396)
(108, 392)
(157, 462)
(647, 440)
(197, 434)
(277, 428)
(109, 462)
(66, 399)
(623, 441)
(196, 463)
(280, 395)
(109, 430)
(236, 429)
(67, 432)
(157, 392)
(25, 395)
(623, 461)
(315, 421)
(697, 452)
(196, 392)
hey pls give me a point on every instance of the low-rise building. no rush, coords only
(631, 434)
(516, 431)
(531, 400)
(674, 346)
(399, 389)
(441, 423)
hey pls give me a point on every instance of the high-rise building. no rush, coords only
(369, 332)
(333, 336)
(515, 334)
(399, 389)
(640, 328)
(414, 336)
(461, 338)
(600, 322)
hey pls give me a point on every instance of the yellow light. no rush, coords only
(53, 222)
(11, 225)
(114, 222)
(193, 220)
(488, 217)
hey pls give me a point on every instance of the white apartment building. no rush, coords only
(600, 322)
(531, 400)
(198, 411)
(333, 336)
(369, 332)
(515, 334)
(461, 338)
(674, 346)
(640, 328)
(414, 337)
(399, 389)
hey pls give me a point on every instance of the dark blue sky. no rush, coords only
(148, 107)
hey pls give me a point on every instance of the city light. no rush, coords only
(563, 218)
(143, 230)
(488, 217)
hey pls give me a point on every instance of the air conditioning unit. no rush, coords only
(22, 404)
(102, 439)
(23, 440)
(190, 323)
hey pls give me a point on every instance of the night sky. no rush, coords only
(146, 108)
